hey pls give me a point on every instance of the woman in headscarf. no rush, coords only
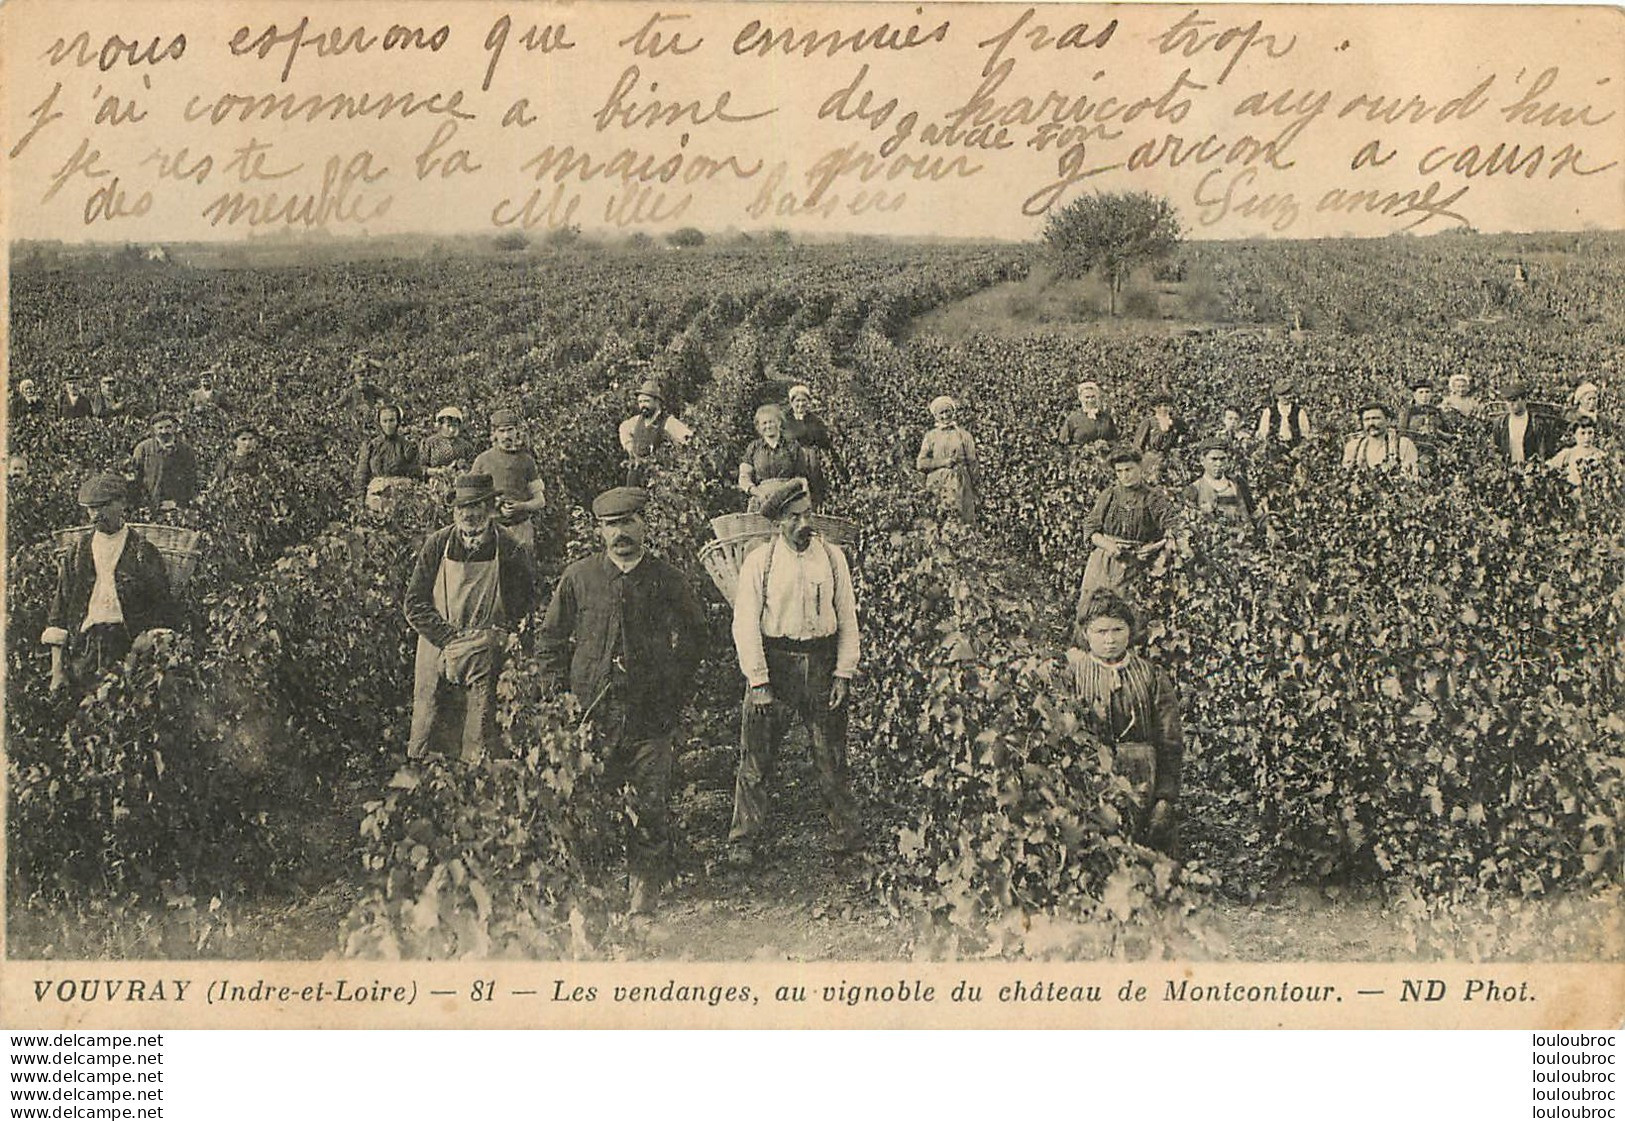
(775, 455)
(948, 460)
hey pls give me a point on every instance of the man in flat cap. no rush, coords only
(1218, 491)
(1522, 436)
(646, 431)
(111, 587)
(1129, 525)
(625, 630)
(1285, 423)
(1377, 445)
(165, 465)
(471, 586)
(795, 630)
(518, 480)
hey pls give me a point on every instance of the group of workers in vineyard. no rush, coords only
(623, 630)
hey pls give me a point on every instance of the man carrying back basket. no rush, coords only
(795, 629)
(111, 588)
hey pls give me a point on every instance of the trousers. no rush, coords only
(801, 681)
(643, 759)
(454, 700)
(98, 650)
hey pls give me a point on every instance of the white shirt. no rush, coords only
(1283, 422)
(807, 595)
(105, 550)
(1516, 427)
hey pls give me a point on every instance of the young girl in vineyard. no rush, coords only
(1130, 705)
(948, 460)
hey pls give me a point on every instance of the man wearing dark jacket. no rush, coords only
(165, 465)
(111, 588)
(626, 631)
(471, 586)
(1523, 436)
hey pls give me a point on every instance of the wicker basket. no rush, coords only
(740, 525)
(724, 558)
(837, 531)
(738, 534)
(178, 547)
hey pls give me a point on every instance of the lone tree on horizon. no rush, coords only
(1112, 232)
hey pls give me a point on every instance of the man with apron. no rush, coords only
(472, 584)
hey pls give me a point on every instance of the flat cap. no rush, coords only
(471, 490)
(504, 418)
(619, 502)
(1419, 381)
(789, 496)
(103, 487)
(1124, 453)
(1213, 444)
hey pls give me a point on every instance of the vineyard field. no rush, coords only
(1402, 695)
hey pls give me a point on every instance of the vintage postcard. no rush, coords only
(797, 514)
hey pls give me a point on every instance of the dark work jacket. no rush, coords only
(809, 433)
(649, 617)
(139, 576)
(385, 457)
(1539, 440)
(516, 577)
